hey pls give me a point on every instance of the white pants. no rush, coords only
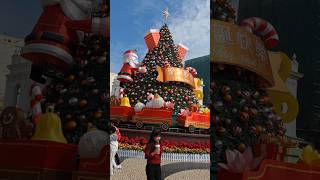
(112, 160)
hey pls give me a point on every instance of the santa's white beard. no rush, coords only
(74, 9)
(132, 61)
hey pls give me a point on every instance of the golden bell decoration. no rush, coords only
(49, 127)
(125, 101)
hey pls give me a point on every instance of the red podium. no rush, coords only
(272, 169)
(31, 159)
(97, 168)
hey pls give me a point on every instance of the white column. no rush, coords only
(292, 84)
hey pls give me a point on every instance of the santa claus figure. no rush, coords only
(52, 44)
(130, 66)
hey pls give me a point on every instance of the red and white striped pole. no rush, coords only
(263, 28)
(36, 98)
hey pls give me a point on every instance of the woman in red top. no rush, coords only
(153, 152)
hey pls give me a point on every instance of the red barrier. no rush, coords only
(37, 154)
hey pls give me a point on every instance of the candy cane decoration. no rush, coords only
(192, 70)
(121, 93)
(264, 29)
(36, 98)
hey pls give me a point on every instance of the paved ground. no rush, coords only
(134, 169)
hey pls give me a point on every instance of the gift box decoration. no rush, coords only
(152, 38)
(292, 155)
(182, 51)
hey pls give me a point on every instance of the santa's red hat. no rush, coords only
(130, 53)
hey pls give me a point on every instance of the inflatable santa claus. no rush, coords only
(53, 42)
(130, 66)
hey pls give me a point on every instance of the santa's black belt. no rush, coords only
(123, 73)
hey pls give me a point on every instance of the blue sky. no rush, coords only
(18, 17)
(131, 19)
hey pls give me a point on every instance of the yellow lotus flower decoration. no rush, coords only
(310, 156)
(206, 110)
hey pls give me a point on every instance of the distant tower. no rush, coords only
(18, 83)
(114, 84)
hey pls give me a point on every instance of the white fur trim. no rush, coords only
(72, 9)
(183, 46)
(130, 54)
(125, 77)
(152, 31)
(134, 64)
(55, 51)
(36, 91)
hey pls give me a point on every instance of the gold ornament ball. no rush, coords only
(83, 102)
(221, 131)
(259, 129)
(227, 98)
(83, 82)
(242, 147)
(71, 125)
(97, 114)
(244, 117)
(70, 78)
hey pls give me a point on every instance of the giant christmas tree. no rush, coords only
(164, 55)
(80, 97)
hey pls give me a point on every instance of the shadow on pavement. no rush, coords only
(172, 168)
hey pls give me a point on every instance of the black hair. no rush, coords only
(112, 130)
(155, 132)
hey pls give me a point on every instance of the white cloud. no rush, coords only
(191, 26)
